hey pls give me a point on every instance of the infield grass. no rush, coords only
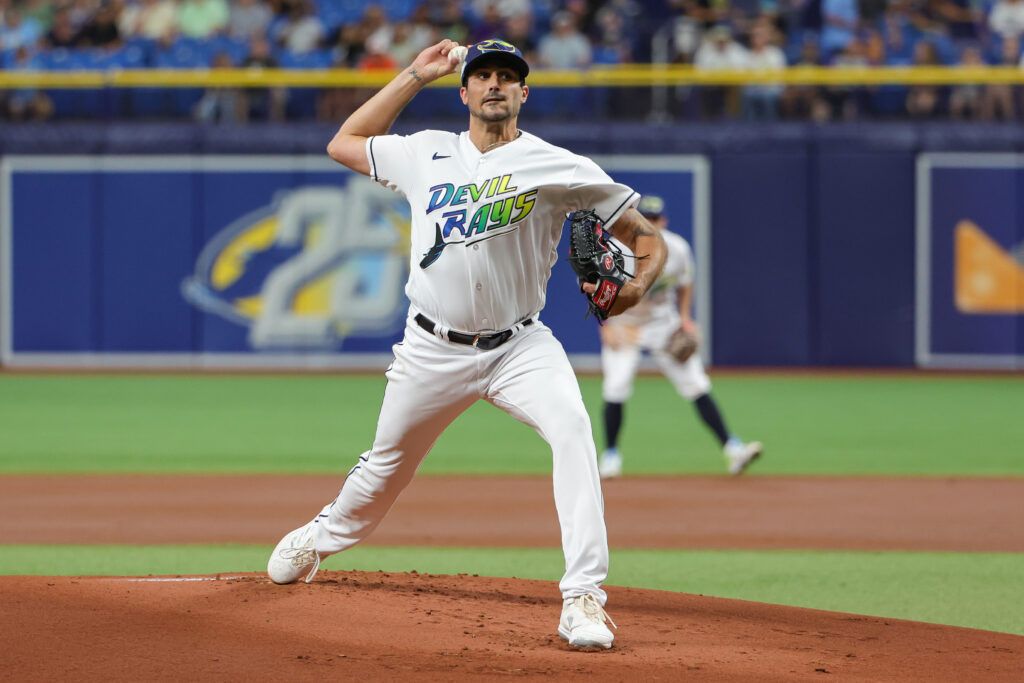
(979, 590)
(214, 423)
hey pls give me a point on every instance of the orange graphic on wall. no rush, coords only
(988, 278)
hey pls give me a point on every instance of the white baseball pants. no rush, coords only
(619, 366)
(431, 382)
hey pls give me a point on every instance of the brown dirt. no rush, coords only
(380, 626)
(399, 626)
(684, 512)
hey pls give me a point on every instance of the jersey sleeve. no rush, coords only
(685, 267)
(391, 161)
(592, 188)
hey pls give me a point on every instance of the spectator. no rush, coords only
(372, 60)
(707, 13)
(806, 101)
(761, 102)
(1007, 19)
(506, 9)
(999, 100)
(153, 19)
(422, 30)
(262, 103)
(202, 18)
(923, 100)
(248, 18)
(451, 23)
(303, 31)
(350, 47)
(841, 18)
(27, 104)
(41, 12)
(489, 25)
(101, 30)
(719, 51)
(846, 103)
(963, 18)
(81, 11)
(897, 31)
(378, 30)
(62, 32)
(613, 45)
(220, 105)
(18, 31)
(565, 47)
(957, 19)
(967, 101)
(519, 31)
(337, 104)
(404, 44)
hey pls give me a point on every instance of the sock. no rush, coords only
(709, 413)
(612, 424)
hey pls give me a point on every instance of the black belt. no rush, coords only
(480, 341)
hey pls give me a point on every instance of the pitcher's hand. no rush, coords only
(433, 62)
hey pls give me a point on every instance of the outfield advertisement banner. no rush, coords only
(237, 261)
(970, 261)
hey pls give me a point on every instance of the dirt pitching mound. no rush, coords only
(353, 625)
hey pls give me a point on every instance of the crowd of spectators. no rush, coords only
(559, 34)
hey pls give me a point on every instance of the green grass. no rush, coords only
(979, 590)
(811, 425)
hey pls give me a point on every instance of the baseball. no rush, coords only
(458, 54)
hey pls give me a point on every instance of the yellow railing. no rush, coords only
(618, 76)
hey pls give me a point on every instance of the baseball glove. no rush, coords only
(597, 260)
(682, 344)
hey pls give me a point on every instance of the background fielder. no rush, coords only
(487, 209)
(647, 327)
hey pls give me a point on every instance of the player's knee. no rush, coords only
(572, 431)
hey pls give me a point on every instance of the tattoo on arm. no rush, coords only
(412, 72)
(631, 226)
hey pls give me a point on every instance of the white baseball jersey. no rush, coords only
(656, 316)
(660, 306)
(486, 226)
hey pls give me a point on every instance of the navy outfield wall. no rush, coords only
(814, 233)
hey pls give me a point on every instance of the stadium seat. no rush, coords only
(317, 59)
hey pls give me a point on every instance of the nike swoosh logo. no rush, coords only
(441, 156)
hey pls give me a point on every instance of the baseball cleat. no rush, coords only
(295, 556)
(610, 465)
(741, 455)
(582, 623)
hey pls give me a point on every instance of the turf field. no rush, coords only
(905, 426)
(814, 425)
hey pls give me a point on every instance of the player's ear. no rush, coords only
(526, 91)
(463, 95)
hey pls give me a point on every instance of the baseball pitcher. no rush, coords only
(487, 212)
(661, 325)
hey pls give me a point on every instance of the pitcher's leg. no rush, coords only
(412, 417)
(535, 384)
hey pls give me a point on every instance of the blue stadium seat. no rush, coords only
(317, 59)
(185, 53)
(398, 10)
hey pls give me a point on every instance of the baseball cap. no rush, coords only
(651, 206)
(501, 51)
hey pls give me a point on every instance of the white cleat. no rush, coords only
(295, 556)
(582, 623)
(610, 465)
(741, 455)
